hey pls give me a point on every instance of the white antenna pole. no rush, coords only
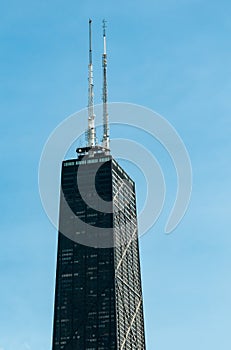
(105, 107)
(91, 116)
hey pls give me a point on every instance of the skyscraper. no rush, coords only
(98, 297)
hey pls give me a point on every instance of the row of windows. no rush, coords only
(87, 161)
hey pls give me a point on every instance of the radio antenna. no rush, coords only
(105, 106)
(91, 135)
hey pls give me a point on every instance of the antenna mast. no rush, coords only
(105, 107)
(91, 116)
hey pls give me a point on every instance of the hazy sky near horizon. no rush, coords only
(172, 56)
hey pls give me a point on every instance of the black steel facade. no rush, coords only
(98, 296)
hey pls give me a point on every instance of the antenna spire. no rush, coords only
(105, 106)
(91, 136)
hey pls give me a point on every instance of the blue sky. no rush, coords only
(171, 56)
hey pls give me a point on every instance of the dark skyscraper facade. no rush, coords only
(98, 299)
